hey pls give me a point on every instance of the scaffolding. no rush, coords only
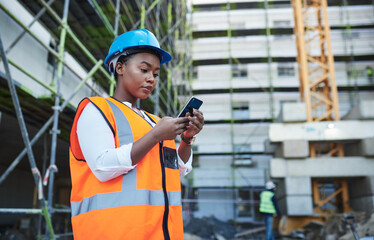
(167, 19)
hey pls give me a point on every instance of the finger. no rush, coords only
(199, 115)
(182, 120)
(183, 125)
(179, 131)
(193, 129)
(196, 122)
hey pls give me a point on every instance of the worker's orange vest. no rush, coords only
(142, 204)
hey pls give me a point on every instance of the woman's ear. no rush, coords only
(120, 68)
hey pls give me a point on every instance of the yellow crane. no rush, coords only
(319, 92)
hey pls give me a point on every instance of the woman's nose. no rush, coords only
(150, 77)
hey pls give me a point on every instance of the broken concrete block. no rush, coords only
(295, 149)
(299, 205)
(298, 185)
(293, 112)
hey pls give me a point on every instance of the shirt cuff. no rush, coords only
(185, 168)
(124, 156)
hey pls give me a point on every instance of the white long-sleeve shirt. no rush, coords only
(98, 146)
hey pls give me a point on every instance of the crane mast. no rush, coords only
(318, 87)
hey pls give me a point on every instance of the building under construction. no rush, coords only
(288, 91)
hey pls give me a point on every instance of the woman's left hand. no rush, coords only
(195, 124)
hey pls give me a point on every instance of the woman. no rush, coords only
(125, 168)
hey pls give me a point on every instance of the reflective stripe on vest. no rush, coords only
(129, 195)
(266, 203)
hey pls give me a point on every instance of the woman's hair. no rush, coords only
(131, 52)
(122, 59)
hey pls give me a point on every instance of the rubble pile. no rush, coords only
(210, 228)
(338, 227)
(365, 229)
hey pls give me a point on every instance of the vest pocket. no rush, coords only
(170, 158)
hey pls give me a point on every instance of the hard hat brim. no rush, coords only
(165, 56)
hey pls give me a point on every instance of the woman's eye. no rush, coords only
(144, 70)
(155, 75)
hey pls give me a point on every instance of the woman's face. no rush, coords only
(139, 76)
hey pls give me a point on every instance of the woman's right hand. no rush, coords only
(168, 128)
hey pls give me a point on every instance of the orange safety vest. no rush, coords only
(142, 204)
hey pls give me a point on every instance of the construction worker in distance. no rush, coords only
(369, 74)
(125, 167)
(268, 207)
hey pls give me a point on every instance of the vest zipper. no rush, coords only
(165, 228)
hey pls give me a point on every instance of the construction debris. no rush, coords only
(363, 230)
(209, 228)
(339, 227)
(249, 233)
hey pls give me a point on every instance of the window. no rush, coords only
(242, 158)
(349, 35)
(248, 207)
(286, 71)
(240, 110)
(242, 147)
(239, 71)
(245, 205)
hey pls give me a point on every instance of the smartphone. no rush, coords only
(187, 110)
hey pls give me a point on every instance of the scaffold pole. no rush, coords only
(25, 136)
(55, 130)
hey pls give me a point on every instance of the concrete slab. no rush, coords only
(367, 109)
(298, 186)
(293, 112)
(322, 131)
(322, 167)
(295, 149)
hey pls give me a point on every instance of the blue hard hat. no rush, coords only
(140, 38)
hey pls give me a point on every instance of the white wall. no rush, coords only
(258, 75)
(215, 171)
(277, 18)
(280, 46)
(220, 204)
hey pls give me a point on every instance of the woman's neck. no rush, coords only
(124, 98)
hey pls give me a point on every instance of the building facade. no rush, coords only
(245, 70)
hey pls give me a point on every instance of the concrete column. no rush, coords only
(295, 196)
